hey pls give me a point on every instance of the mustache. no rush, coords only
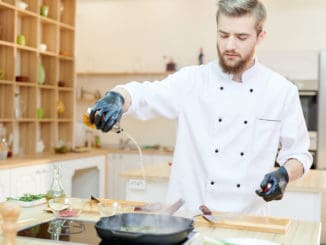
(231, 53)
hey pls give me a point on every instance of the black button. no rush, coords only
(251, 90)
(212, 182)
(220, 119)
(221, 88)
(245, 122)
(216, 150)
(241, 154)
(238, 185)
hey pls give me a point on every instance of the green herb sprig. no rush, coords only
(27, 197)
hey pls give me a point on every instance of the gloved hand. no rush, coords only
(107, 111)
(273, 185)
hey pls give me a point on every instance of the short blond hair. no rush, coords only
(238, 8)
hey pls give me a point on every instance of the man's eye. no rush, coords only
(242, 37)
(224, 36)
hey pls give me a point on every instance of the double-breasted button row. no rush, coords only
(220, 119)
(251, 90)
(217, 151)
(213, 183)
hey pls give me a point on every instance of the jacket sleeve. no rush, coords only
(294, 134)
(160, 98)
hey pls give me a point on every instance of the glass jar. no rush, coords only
(3, 143)
(56, 188)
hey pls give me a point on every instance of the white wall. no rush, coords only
(134, 35)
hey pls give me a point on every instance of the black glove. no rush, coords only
(273, 185)
(107, 111)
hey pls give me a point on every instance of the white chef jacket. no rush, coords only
(228, 133)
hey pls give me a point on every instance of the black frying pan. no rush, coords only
(142, 228)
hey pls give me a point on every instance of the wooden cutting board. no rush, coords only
(245, 222)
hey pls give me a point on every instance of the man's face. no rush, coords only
(236, 42)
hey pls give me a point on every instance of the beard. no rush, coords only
(239, 66)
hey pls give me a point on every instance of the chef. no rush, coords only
(234, 115)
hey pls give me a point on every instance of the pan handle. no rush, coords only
(126, 234)
(174, 207)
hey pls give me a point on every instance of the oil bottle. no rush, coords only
(56, 188)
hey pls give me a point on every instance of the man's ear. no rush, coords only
(261, 36)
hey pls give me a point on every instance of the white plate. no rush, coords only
(31, 203)
(249, 241)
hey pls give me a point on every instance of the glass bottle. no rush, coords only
(3, 143)
(56, 188)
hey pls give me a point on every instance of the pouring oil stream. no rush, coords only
(117, 129)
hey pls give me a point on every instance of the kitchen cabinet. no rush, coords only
(121, 162)
(37, 73)
(154, 191)
(303, 199)
(4, 184)
(300, 205)
(84, 177)
(32, 179)
(157, 177)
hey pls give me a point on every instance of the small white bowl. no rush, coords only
(22, 5)
(42, 47)
(67, 206)
(108, 209)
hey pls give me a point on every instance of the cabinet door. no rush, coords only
(84, 177)
(43, 178)
(33, 179)
(4, 184)
(118, 163)
(292, 206)
(121, 162)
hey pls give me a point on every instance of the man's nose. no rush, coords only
(230, 45)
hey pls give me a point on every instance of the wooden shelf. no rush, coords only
(96, 73)
(9, 44)
(46, 20)
(26, 13)
(47, 120)
(6, 120)
(3, 4)
(29, 109)
(26, 48)
(68, 27)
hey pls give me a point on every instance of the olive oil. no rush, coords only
(56, 188)
(117, 129)
(86, 120)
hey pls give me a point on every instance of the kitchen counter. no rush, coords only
(299, 232)
(311, 188)
(159, 171)
(43, 158)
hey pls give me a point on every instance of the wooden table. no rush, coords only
(299, 232)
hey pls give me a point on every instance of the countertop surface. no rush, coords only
(299, 232)
(44, 158)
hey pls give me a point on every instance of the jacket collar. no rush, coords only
(246, 75)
